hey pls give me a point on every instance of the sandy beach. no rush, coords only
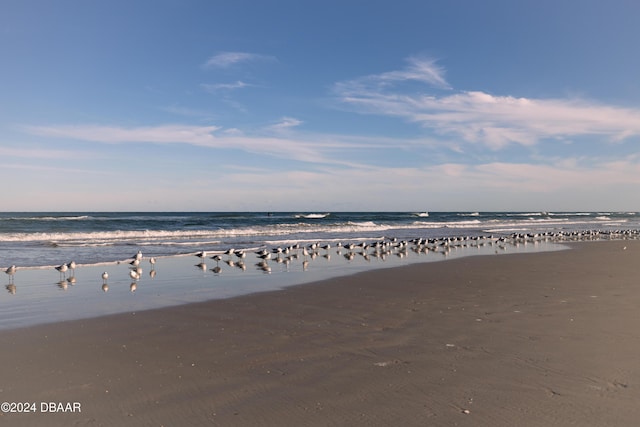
(537, 339)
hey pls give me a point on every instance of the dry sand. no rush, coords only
(512, 340)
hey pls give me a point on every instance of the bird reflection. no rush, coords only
(63, 285)
(202, 266)
(134, 275)
(11, 288)
(133, 286)
(264, 266)
(105, 287)
(217, 269)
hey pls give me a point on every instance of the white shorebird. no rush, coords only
(72, 266)
(152, 261)
(63, 270)
(105, 276)
(201, 254)
(265, 256)
(138, 256)
(11, 271)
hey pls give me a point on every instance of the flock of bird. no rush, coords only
(378, 249)
(391, 246)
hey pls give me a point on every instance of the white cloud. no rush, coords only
(228, 59)
(420, 69)
(479, 117)
(203, 136)
(285, 124)
(216, 87)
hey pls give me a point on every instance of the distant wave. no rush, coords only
(469, 214)
(571, 214)
(47, 218)
(528, 214)
(422, 214)
(313, 215)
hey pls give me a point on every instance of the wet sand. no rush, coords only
(540, 339)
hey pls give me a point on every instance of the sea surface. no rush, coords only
(281, 249)
(47, 239)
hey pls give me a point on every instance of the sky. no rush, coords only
(441, 105)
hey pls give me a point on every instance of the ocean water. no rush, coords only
(48, 239)
(106, 242)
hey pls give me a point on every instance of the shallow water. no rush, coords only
(42, 295)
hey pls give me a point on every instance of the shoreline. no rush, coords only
(39, 296)
(523, 339)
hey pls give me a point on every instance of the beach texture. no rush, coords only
(528, 339)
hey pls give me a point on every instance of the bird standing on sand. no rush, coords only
(11, 271)
(63, 270)
(152, 261)
(72, 266)
(201, 254)
(105, 276)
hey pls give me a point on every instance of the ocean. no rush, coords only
(47, 239)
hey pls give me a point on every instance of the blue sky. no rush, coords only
(319, 106)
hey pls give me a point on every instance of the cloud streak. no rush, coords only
(479, 117)
(229, 59)
(217, 87)
(202, 136)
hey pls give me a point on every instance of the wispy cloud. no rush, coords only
(285, 124)
(503, 185)
(203, 136)
(228, 59)
(188, 112)
(419, 69)
(480, 117)
(217, 87)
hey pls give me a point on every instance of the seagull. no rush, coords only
(11, 271)
(63, 270)
(264, 256)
